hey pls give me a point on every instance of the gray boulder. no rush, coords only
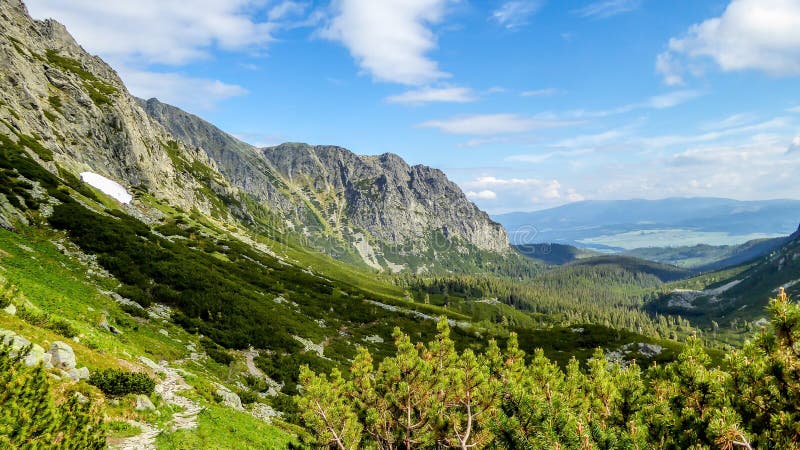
(143, 403)
(78, 374)
(11, 310)
(62, 355)
(650, 350)
(36, 353)
(230, 399)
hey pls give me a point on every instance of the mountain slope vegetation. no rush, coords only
(197, 314)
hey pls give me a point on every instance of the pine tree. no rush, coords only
(29, 417)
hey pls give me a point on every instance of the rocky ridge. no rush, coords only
(368, 202)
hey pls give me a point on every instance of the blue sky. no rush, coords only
(526, 104)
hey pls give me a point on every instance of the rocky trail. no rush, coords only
(168, 389)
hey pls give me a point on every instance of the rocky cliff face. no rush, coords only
(77, 108)
(370, 202)
(392, 201)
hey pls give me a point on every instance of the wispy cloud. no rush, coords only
(777, 123)
(608, 8)
(540, 92)
(661, 101)
(390, 40)
(536, 158)
(434, 95)
(516, 14)
(478, 142)
(494, 124)
(286, 9)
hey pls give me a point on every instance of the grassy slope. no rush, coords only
(63, 287)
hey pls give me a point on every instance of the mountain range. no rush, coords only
(617, 225)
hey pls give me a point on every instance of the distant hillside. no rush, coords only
(736, 295)
(664, 272)
(557, 254)
(706, 258)
(629, 224)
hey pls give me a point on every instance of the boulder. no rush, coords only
(143, 403)
(230, 399)
(62, 355)
(650, 350)
(264, 412)
(11, 310)
(78, 374)
(36, 353)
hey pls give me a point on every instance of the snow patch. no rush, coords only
(106, 186)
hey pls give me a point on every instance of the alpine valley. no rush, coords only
(164, 284)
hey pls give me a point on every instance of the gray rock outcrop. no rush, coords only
(229, 398)
(62, 355)
(36, 353)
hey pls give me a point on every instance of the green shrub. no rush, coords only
(133, 310)
(63, 328)
(248, 397)
(255, 383)
(116, 382)
(33, 317)
(219, 355)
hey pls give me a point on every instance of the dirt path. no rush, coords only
(145, 440)
(249, 355)
(168, 389)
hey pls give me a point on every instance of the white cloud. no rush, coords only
(176, 89)
(521, 193)
(430, 95)
(478, 142)
(542, 157)
(491, 124)
(662, 101)
(541, 92)
(389, 39)
(732, 121)
(759, 35)
(670, 69)
(285, 9)
(171, 32)
(515, 14)
(794, 147)
(608, 8)
(485, 194)
(672, 99)
(713, 136)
